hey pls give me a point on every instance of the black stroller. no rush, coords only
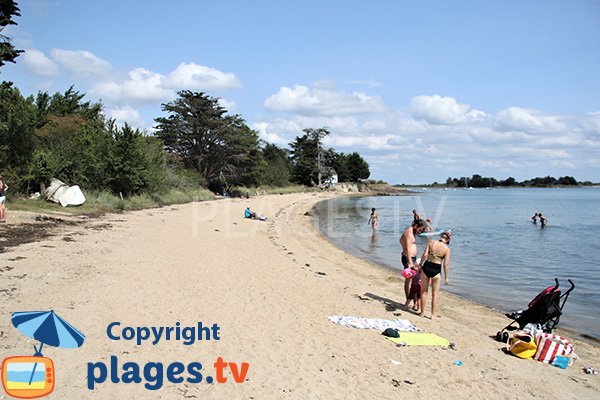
(545, 309)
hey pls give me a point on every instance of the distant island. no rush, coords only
(478, 181)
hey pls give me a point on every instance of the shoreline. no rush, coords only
(270, 286)
(566, 331)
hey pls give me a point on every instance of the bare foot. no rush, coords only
(434, 317)
(421, 314)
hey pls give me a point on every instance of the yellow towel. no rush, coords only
(420, 339)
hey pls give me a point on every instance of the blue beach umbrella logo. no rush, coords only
(30, 377)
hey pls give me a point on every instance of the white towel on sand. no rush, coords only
(374, 323)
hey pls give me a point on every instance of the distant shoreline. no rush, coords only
(500, 187)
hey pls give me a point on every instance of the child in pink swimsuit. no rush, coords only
(415, 292)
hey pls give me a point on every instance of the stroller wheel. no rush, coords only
(498, 336)
(504, 337)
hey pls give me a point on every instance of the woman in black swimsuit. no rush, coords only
(435, 254)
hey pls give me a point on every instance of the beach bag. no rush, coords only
(534, 329)
(522, 344)
(550, 346)
(391, 332)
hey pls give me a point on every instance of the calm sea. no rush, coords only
(499, 258)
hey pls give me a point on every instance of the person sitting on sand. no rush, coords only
(534, 218)
(409, 249)
(436, 253)
(414, 296)
(543, 220)
(373, 219)
(252, 215)
(249, 214)
(3, 189)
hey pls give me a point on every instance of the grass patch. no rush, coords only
(241, 191)
(103, 202)
(290, 189)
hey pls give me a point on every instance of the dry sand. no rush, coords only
(270, 286)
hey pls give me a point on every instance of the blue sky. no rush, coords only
(422, 89)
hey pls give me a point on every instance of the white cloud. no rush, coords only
(144, 86)
(199, 77)
(305, 101)
(126, 114)
(462, 140)
(521, 119)
(227, 104)
(289, 128)
(374, 126)
(81, 63)
(37, 63)
(489, 136)
(141, 85)
(563, 140)
(371, 142)
(590, 124)
(563, 164)
(264, 132)
(439, 110)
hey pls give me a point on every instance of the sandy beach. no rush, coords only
(270, 287)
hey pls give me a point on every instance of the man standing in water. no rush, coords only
(416, 216)
(408, 242)
(534, 218)
(543, 220)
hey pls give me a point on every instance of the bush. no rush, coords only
(103, 201)
(139, 201)
(183, 179)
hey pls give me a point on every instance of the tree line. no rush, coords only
(478, 181)
(195, 143)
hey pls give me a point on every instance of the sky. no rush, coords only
(423, 90)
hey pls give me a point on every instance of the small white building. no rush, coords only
(331, 178)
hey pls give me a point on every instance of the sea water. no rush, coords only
(499, 257)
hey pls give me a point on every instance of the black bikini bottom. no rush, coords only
(431, 269)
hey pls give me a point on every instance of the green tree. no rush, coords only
(68, 103)
(340, 164)
(510, 181)
(8, 10)
(358, 168)
(17, 119)
(127, 161)
(310, 160)
(304, 160)
(71, 140)
(16, 127)
(247, 163)
(323, 156)
(222, 148)
(277, 165)
(567, 181)
(137, 162)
